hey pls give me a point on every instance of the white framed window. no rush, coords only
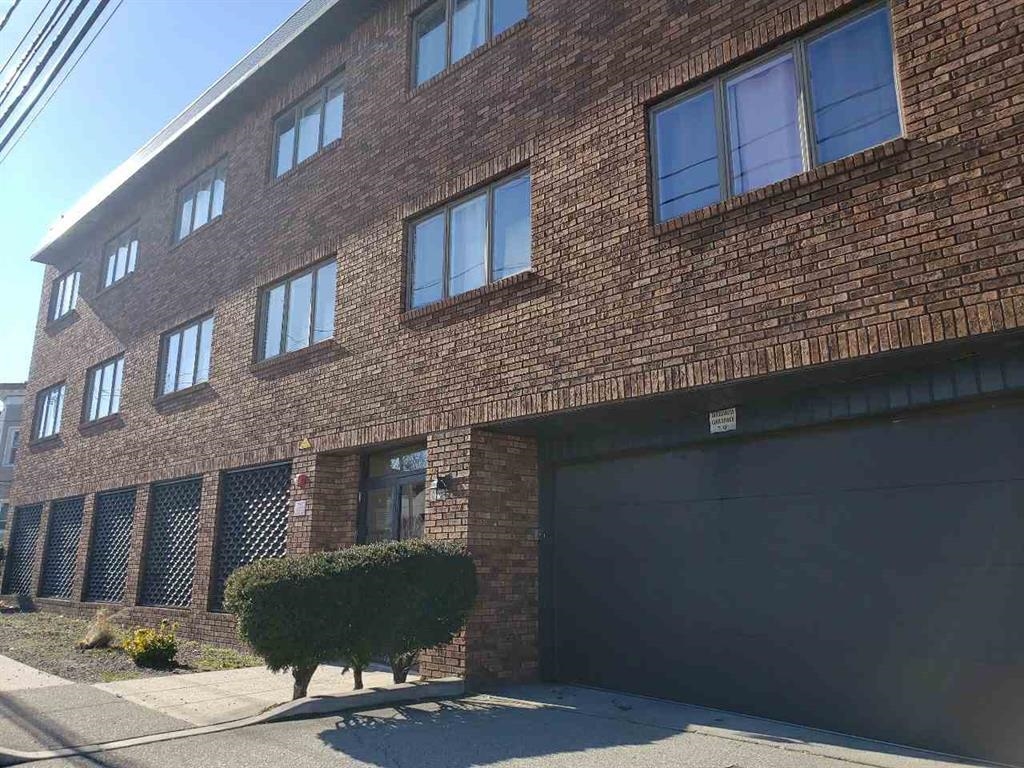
(103, 389)
(477, 239)
(10, 448)
(447, 30)
(299, 311)
(823, 97)
(49, 411)
(64, 295)
(201, 200)
(121, 254)
(185, 356)
(309, 127)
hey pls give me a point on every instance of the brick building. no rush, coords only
(698, 322)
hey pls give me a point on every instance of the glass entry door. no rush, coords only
(394, 495)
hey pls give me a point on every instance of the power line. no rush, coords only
(56, 71)
(53, 92)
(7, 16)
(33, 49)
(24, 37)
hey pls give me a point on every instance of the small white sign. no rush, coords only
(722, 421)
(299, 508)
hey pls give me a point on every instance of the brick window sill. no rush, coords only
(197, 232)
(469, 57)
(305, 355)
(113, 421)
(107, 289)
(892, 148)
(45, 442)
(498, 286)
(62, 322)
(182, 394)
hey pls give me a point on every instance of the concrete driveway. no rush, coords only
(522, 728)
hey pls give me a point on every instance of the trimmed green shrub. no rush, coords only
(292, 613)
(422, 591)
(391, 599)
(155, 648)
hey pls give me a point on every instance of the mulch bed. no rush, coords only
(46, 641)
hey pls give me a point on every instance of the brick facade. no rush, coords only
(909, 244)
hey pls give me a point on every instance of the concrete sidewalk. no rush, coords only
(210, 698)
(15, 676)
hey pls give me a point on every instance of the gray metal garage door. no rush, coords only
(866, 578)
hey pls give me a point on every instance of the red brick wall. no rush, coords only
(493, 510)
(912, 243)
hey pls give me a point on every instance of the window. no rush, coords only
(819, 99)
(473, 23)
(185, 356)
(11, 448)
(64, 296)
(121, 253)
(299, 311)
(103, 389)
(201, 200)
(394, 495)
(473, 241)
(49, 410)
(308, 127)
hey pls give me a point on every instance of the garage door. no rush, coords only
(865, 578)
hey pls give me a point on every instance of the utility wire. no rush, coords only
(24, 37)
(7, 16)
(33, 49)
(56, 71)
(53, 91)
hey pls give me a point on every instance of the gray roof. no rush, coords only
(297, 23)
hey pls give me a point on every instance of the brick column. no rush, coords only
(84, 545)
(329, 520)
(206, 544)
(140, 525)
(494, 510)
(37, 567)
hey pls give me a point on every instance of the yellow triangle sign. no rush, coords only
(305, 445)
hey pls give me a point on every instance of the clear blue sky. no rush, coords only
(151, 61)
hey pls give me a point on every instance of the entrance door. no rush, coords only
(394, 495)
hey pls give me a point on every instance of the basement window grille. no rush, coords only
(111, 544)
(170, 561)
(253, 521)
(21, 556)
(63, 533)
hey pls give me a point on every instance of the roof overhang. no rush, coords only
(235, 80)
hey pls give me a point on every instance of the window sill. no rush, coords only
(62, 322)
(304, 355)
(469, 57)
(892, 148)
(176, 244)
(181, 394)
(113, 421)
(302, 165)
(110, 288)
(498, 286)
(43, 443)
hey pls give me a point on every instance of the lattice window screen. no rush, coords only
(111, 544)
(253, 520)
(65, 529)
(170, 561)
(22, 555)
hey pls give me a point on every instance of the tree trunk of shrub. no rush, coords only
(302, 676)
(357, 676)
(400, 665)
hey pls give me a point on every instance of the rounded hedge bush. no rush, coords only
(391, 599)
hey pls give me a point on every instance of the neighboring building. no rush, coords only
(535, 252)
(11, 397)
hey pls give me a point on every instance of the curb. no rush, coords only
(403, 693)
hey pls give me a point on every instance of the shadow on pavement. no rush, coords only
(48, 733)
(468, 733)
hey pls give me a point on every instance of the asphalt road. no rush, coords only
(536, 726)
